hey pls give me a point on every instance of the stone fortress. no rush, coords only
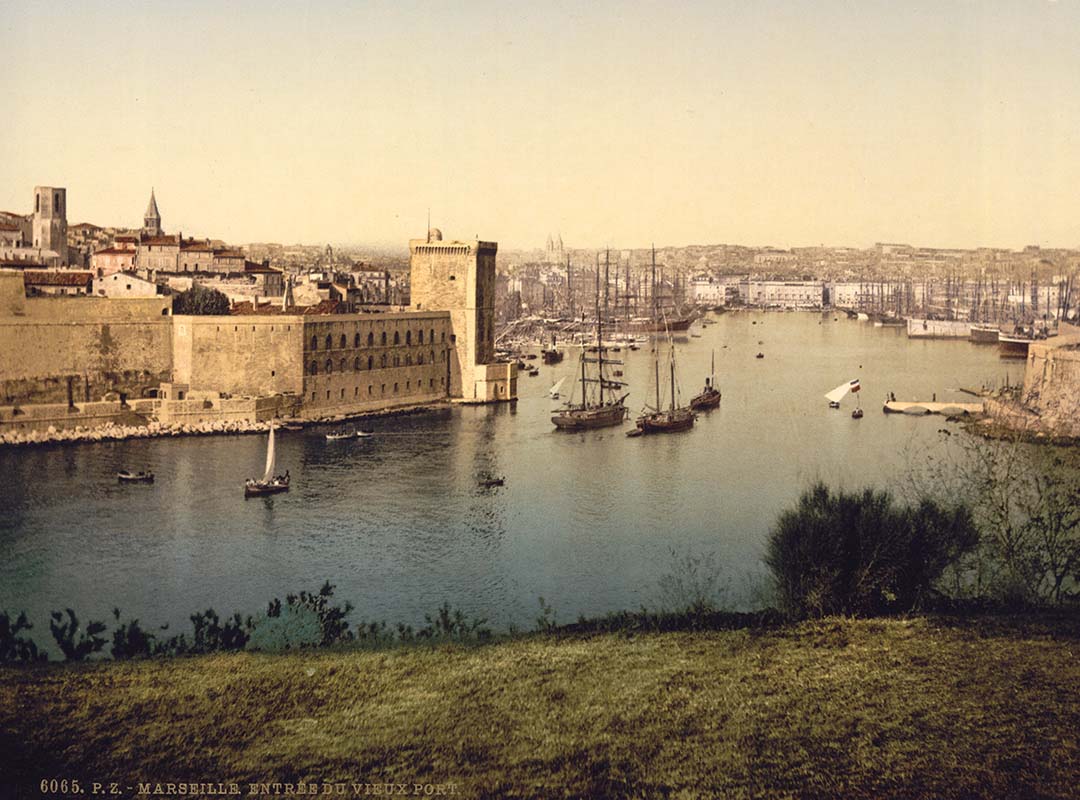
(69, 361)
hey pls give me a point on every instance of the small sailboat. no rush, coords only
(836, 395)
(710, 395)
(556, 387)
(269, 483)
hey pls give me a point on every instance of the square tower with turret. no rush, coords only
(459, 277)
(50, 220)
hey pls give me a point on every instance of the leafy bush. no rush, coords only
(859, 553)
(76, 643)
(306, 620)
(201, 301)
(14, 647)
(447, 625)
(129, 640)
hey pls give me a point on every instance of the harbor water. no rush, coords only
(400, 522)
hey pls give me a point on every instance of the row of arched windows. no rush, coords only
(383, 362)
(343, 342)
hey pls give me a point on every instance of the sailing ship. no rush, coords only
(269, 483)
(674, 418)
(710, 395)
(607, 410)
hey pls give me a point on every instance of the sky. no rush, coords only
(951, 124)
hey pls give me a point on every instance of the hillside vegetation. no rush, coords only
(920, 707)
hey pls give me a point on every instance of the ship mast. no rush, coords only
(599, 336)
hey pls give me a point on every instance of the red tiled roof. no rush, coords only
(5, 227)
(228, 254)
(159, 240)
(114, 251)
(34, 277)
(257, 268)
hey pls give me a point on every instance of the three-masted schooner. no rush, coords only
(607, 409)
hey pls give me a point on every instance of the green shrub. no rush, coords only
(14, 647)
(859, 553)
(75, 642)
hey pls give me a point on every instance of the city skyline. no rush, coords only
(622, 124)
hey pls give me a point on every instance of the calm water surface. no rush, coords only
(399, 524)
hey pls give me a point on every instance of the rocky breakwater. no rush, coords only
(113, 432)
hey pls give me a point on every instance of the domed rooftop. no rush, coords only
(434, 235)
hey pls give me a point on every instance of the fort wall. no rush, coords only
(1052, 382)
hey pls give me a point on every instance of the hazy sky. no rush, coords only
(845, 123)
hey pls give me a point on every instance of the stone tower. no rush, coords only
(152, 218)
(50, 220)
(459, 277)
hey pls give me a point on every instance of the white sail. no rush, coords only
(837, 394)
(554, 390)
(268, 476)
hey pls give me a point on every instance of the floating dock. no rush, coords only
(916, 407)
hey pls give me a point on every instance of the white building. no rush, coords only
(782, 294)
(125, 284)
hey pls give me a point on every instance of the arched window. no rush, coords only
(384, 338)
(344, 342)
(314, 368)
(395, 388)
(329, 342)
(370, 362)
(383, 361)
(431, 336)
(432, 356)
(408, 337)
(397, 361)
(356, 365)
(341, 365)
(397, 337)
(356, 340)
(420, 336)
(329, 365)
(420, 359)
(371, 339)
(314, 342)
(443, 336)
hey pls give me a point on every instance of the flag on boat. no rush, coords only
(854, 386)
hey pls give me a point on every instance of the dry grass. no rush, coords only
(926, 707)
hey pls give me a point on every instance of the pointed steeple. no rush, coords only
(152, 217)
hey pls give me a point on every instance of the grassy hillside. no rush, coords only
(889, 708)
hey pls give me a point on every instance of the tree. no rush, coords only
(1025, 500)
(841, 552)
(200, 300)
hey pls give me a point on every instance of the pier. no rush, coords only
(928, 407)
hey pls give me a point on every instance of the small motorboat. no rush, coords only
(834, 404)
(534, 372)
(123, 476)
(760, 355)
(856, 414)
